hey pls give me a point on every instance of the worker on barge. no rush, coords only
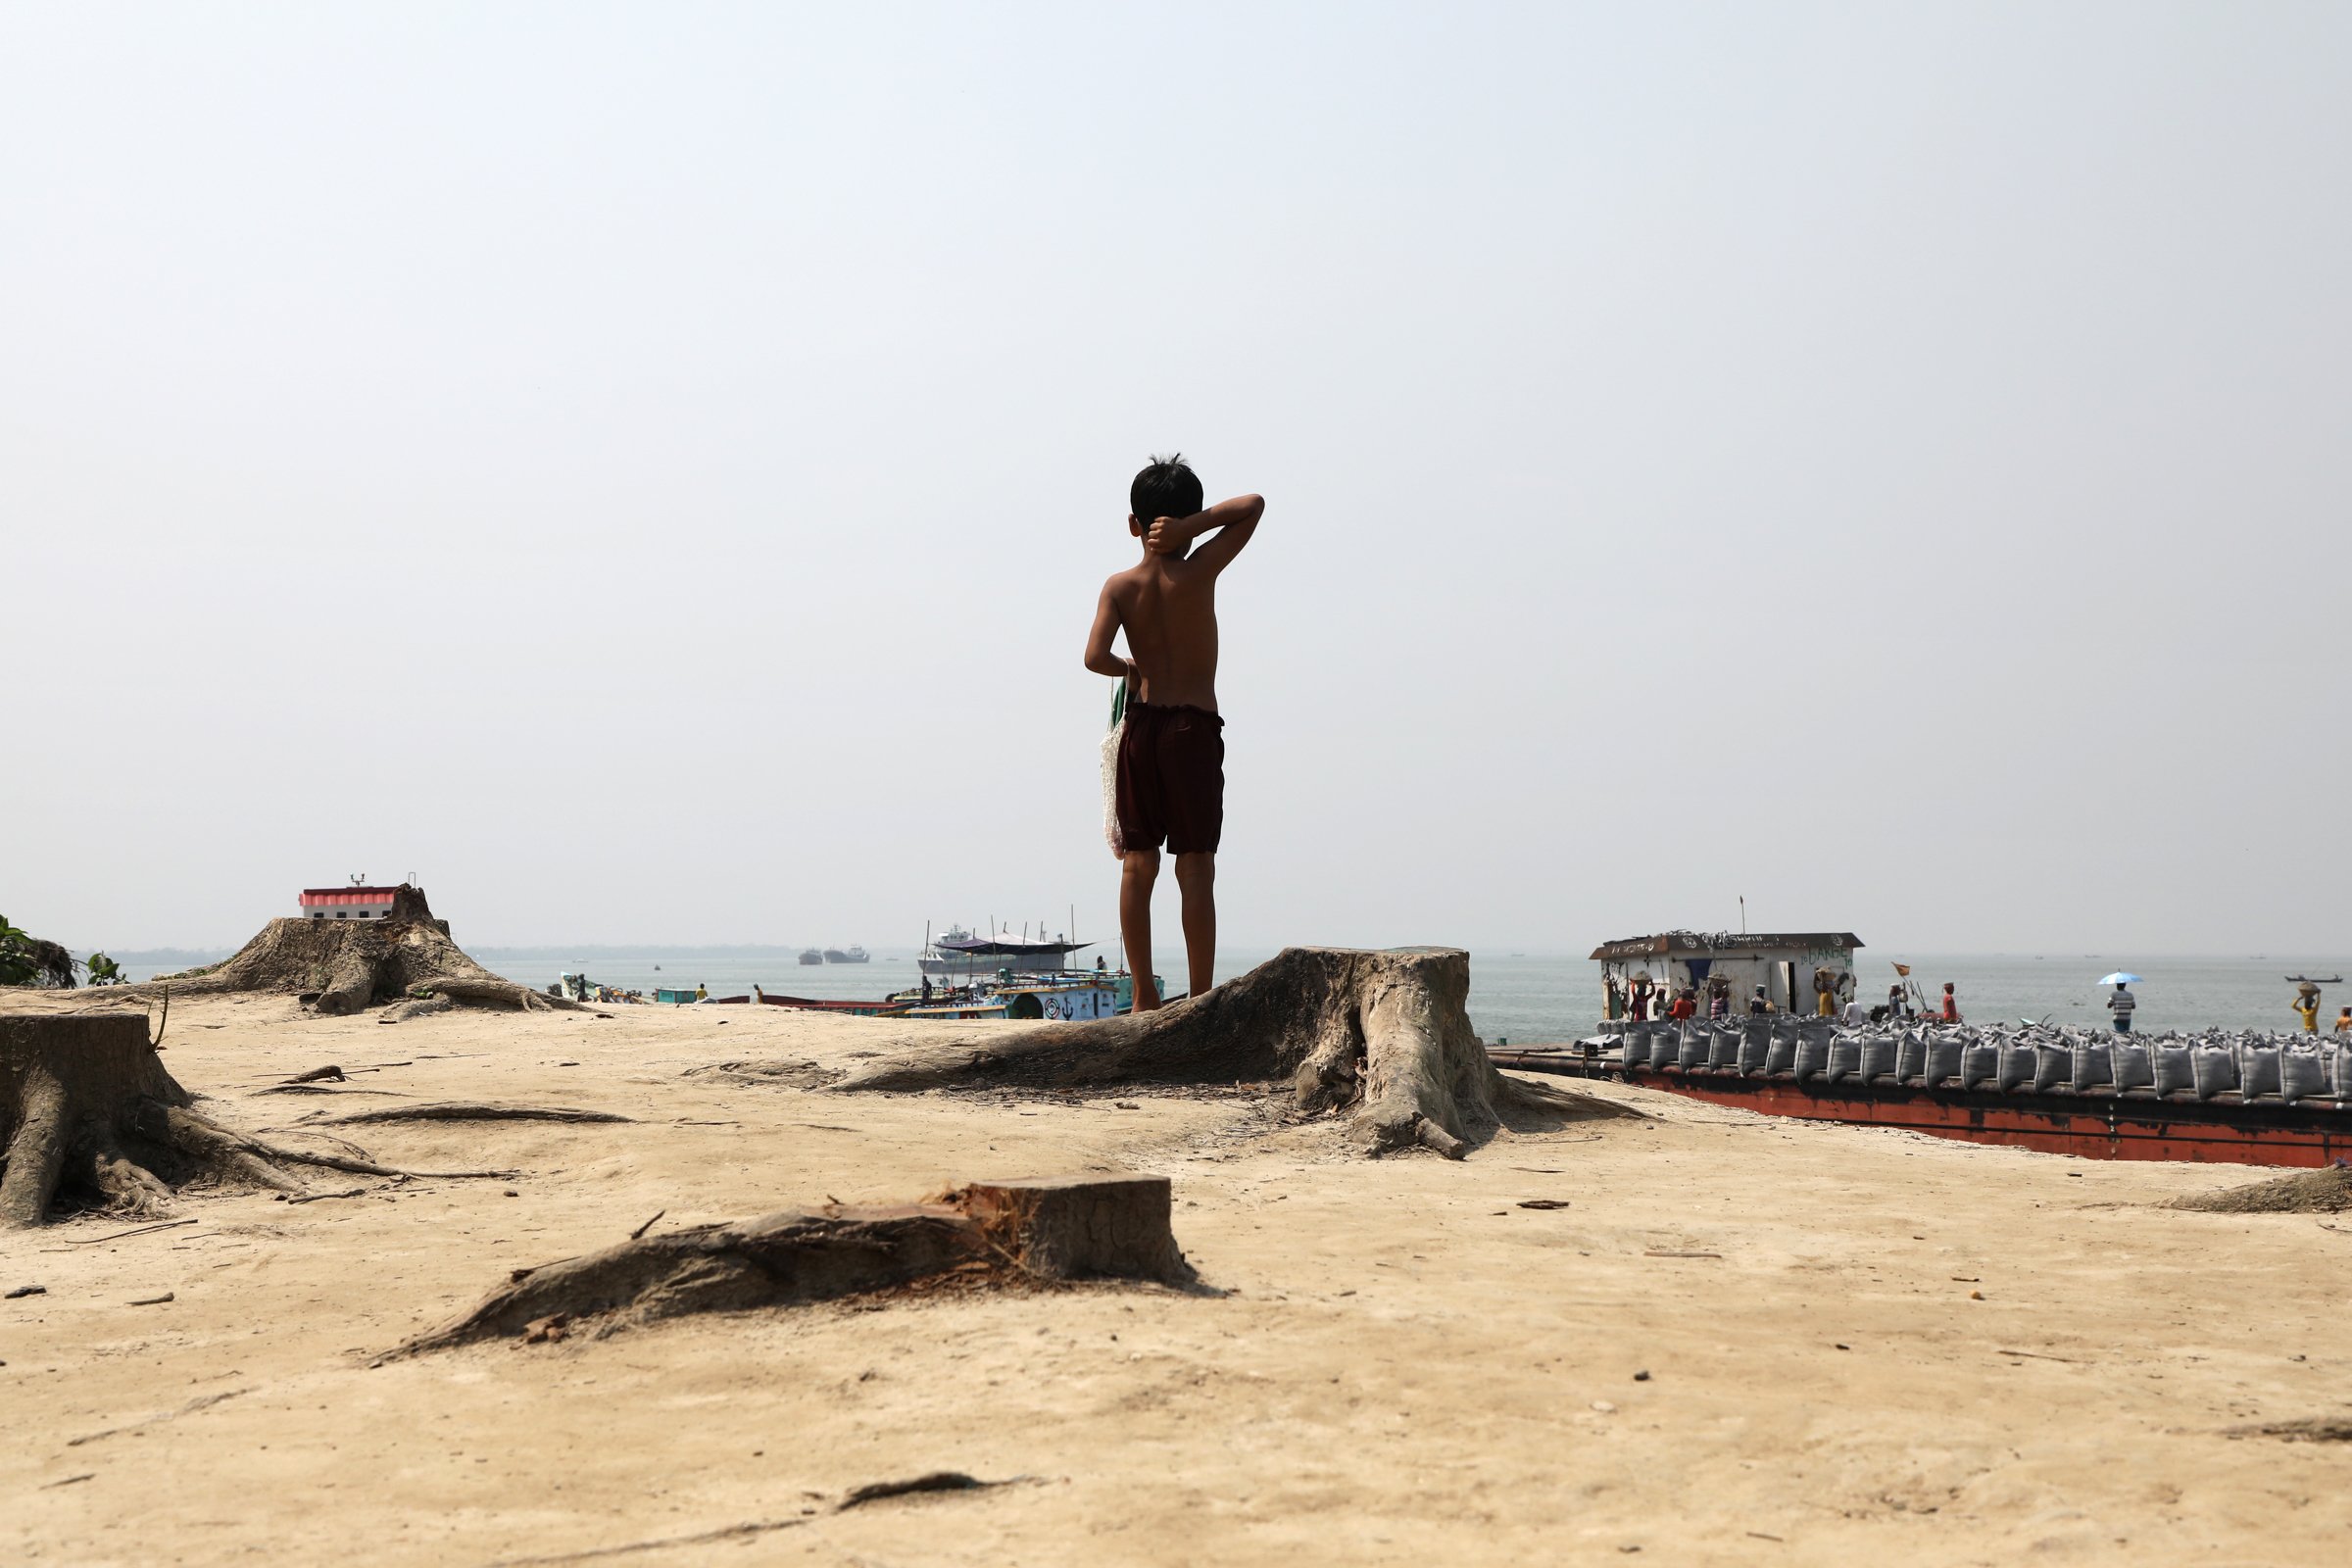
(2307, 1005)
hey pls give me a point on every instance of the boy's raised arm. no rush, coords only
(1098, 657)
(1233, 522)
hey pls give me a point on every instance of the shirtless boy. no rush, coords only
(1171, 782)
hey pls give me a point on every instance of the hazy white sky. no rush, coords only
(646, 470)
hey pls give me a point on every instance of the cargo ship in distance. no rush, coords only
(849, 954)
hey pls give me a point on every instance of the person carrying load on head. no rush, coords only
(1759, 1003)
(1825, 992)
(1719, 999)
(2121, 1005)
(2307, 1005)
(1951, 1004)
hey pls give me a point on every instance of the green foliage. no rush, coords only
(105, 971)
(16, 955)
(27, 961)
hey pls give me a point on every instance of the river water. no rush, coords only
(1530, 996)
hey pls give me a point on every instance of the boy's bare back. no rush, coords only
(1167, 606)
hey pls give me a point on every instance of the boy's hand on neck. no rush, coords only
(1169, 536)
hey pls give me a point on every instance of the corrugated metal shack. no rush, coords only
(1788, 964)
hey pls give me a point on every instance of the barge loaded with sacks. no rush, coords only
(2219, 1096)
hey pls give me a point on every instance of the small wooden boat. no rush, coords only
(885, 1008)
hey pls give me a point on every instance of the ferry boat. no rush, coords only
(2237, 1098)
(962, 955)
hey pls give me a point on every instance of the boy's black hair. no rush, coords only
(1165, 489)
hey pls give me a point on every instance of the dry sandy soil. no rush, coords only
(1404, 1363)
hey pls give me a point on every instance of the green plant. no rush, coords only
(16, 955)
(27, 961)
(105, 971)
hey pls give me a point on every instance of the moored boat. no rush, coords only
(962, 953)
(887, 1007)
(2237, 1098)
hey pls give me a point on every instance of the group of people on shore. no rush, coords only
(1641, 998)
(2121, 1004)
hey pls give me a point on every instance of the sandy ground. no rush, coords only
(1407, 1366)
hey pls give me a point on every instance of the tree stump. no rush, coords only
(1054, 1228)
(1079, 1227)
(1381, 1035)
(87, 1108)
(348, 965)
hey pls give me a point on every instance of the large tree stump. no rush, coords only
(348, 965)
(1381, 1035)
(87, 1108)
(1057, 1227)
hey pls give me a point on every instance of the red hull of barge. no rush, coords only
(2138, 1126)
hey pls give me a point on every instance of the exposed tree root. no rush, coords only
(2325, 1191)
(854, 1497)
(2311, 1428)
(1079, 1227)
(934, 1481)
(87, 1109)
(202, 1402)
(701, 1538)
(792, 1073)
(1378, 1035)
(466, 1110)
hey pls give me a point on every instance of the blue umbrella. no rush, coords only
(2119, 978)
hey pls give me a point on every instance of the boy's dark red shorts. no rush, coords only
(1171, 782)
